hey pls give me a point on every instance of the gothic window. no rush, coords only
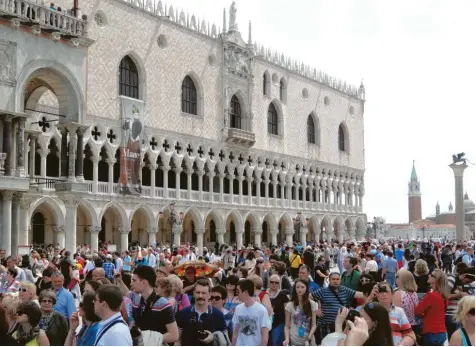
(272, 120)
(128, 78)
(311, 130)
(342, 139)
(189, 96)
(235, 113)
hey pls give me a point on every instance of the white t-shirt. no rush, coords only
(250, 320)
(371, 266)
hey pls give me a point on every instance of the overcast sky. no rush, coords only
(418, 62)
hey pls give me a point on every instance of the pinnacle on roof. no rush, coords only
(414, 177)
(437, 204)
(466, 196)
(450, 208)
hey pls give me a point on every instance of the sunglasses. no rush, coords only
(215, 298)
(46, 301)
(471, 312)
(23, 290)
(273, 282)
(365, 280)
(19, 313)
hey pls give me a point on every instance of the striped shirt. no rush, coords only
(330, 305)
(148, 316)
(455, 288)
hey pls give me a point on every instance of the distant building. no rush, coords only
(414, 197)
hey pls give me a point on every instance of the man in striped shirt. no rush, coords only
(456, 284)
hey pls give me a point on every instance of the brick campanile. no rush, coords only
(414, 197)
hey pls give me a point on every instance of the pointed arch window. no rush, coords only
(128, 78)
(311, 130)
(189, 96)
(342, 144)
(272, 120)
(235, 113)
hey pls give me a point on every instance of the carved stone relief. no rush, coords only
(8, 63)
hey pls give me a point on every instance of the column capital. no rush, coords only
(289, 232)
(153, 167)
(274, 231)
(200, 173)
(124, 230)
(17, 196)
(43, 152)
(111, 161)
(70, 200)
(230, 177)
(96, 159)
(60, 229)
(151, 230)
(257, 231)
(249, 179)
(165, 167)
(458, 170)
(7, 195)
(222, 175)
(94, 230)
(211, 174)
(190, 171)
(220, 231)
(177, 170)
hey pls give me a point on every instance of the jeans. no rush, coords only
(391, 280)
(276, 335)
(434, 339)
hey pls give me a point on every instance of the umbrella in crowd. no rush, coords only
(201, 268)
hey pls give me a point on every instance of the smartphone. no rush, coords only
(352, 314)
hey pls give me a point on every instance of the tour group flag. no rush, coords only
(130, 149)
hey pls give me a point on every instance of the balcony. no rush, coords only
(241, 137)
(41, 18)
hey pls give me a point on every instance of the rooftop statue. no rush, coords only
(233, 24)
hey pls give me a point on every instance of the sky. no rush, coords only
(418, 63)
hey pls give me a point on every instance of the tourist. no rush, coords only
(44, 282)
(464, 315)
(53, 323)
(295, 263)
(5, 338)
(406, 296)
(321, 271)
(87, 335)
(304, 274)
(390, 268)
(231, 301)
(64, 299)
(422, 274)
(11, 285)
(278, 301)
(181, 300)
(350, 276)
(29, 332)
(217, 299)
(260, 295)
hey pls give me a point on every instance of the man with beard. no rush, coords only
(200, 320)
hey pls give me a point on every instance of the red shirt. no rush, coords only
(432, 308)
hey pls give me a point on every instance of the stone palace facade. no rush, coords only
(249, 145)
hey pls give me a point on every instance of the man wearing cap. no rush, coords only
(108, 267)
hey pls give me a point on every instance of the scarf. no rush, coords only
(45, 320)
(24, 337)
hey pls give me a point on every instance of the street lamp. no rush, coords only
(173, 220)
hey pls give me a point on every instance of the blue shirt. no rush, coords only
(64, 303)
(108, 269)
(124, 266)
(391, 265)
(87, 335)
(330, 305)
(378, 259)
(212, 320)
(116, 335)
(399, 254)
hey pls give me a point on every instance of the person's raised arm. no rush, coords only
(287, 328)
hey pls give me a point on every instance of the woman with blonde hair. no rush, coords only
(406, 296)
(421, 275)
(181, 299)
(278, 301)
(464, 315)
(432, 308)
(27, 292)
(11, 304)
(260, 295)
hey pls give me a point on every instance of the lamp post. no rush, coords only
(173, 220)
(300, 226)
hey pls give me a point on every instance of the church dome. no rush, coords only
(468, 204)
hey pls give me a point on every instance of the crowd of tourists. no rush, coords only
(357, 293)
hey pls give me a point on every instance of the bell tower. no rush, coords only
(414, 197)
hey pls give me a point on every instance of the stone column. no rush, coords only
(177, 230)
(166, 169)
(177, 182)
(289, 237)
(220, 177)
(110, 182)
(94, 237)
(290, 193)
(1, 135)
(15, 222)
(210, 185)
(200, 232)
(60, 235)
(71, 203)
(258, 191)
(304, 188)
(200, 174)
(64, 153)
(239, 239)
(43, 154)
(80, 155)
(23, 237)
(458, 171)
(274, 237)
(189, 183)
(282, 194)
(8, 146)
(21, 148)
(303, 235)
(231, 180)
(266, 192)
(31, 166)
(7, 221)
(153, 169)
(73, 143)
(275, 193)
(257, 233)
(249, 180)
(240, 189)
(124, 237)
(152, 232)
(95, 160)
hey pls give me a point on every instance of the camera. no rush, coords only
(202, 334)
(382, 288)
(350, 317)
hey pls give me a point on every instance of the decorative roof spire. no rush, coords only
(437, 204)
(249, 34)
(450, 208)
(224, 20)
(466, 196)
(414, 177)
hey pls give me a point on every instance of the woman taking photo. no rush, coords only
(300, 317)
(406, 296)
(278, 302)
(464, 315)
(432, 308)
(29, 332)
(88, 332)
(378, 322)
(53, 323)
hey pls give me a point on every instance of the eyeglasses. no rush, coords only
(273, 282)
(19, 313)
(471, 312)
(365, 280)
(46, 301)
(23, 290)
(433, 276)
(215, 298)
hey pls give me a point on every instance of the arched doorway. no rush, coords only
(232, 233)
(38, 228)
(247, 235)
